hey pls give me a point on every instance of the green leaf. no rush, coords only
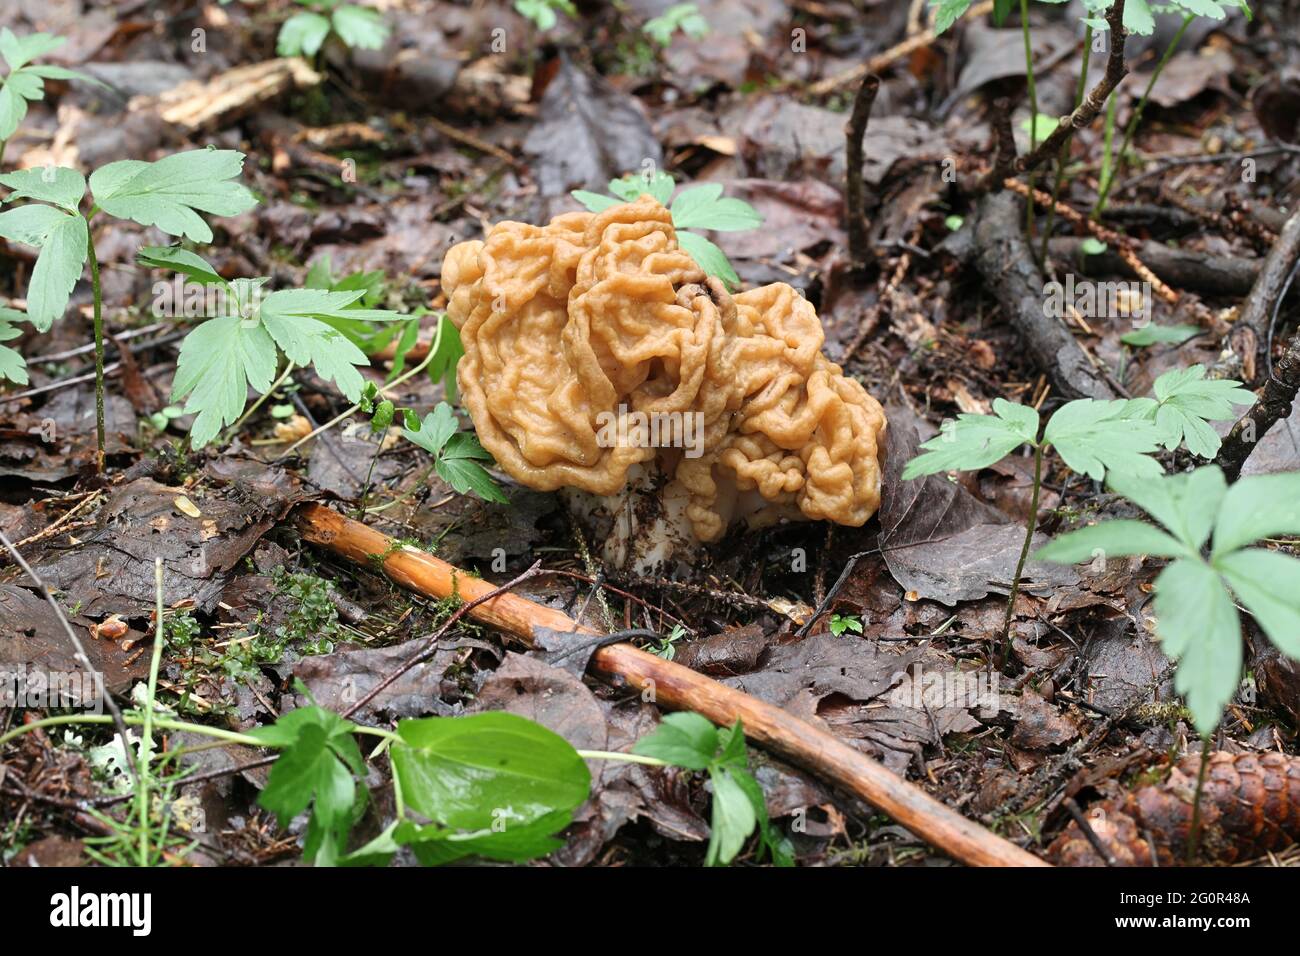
(1138, 18)
(466, 475)
(683, 739)
(1093, 437)
(1185, 504)
(1187, 400)
(594, 202)
(19, 51)
(1258, 506)
(30, 224)
(171, 192)
(680, 16)
(733, 818)
(1039, 127)
(708, 257)
(467, 772)
(13, 110)
(658, 184)
(450, 350)
(12, 366)
(302, 35)
(54, 184)
(1091, 246)
(217, 363)
(438, 426)
(293, 319)
(704, 207)
(1114, 539)
(1268, 584)
(1151, 334)
(513, 843)
(316, 768)
(176, 259)
(1197, 623)
(948, 13)
(976, 441)
(360, 28)
(63, 255)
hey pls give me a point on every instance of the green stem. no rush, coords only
(627, 758)
(165, 723)
(146, 733)
(1033, 107)
(99, 346)
(370, 475)
(433, 350)
(4, 144)
(1063, 157)
(1194, 832)
(1109, 179)
(261, 399)
(415, 486)
(1005, 653)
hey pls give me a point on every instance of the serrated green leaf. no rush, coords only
(469, 772)
(1138, 18)
(1268, 584)
(438, 426)
(732, 821)
(447, 356)
(1185, 504)
(1197, 623)
(1151, 334)
(54, 184)
(30, 224)
(19, 51)
(704, 207)
(176, 259)
(1093, 437)
(63, 255)
(12, 365)
(302, 35)
(171, 192)
(466, 475)
(293, 318)
(594, 202)
(1258, 506)
(976, 441)
(1187, 400)
(13, 110)
(683, 739)
(359, 27)
(948, 13)
(658, 184)
(1113, 539)
(218, 361)
(708, 257)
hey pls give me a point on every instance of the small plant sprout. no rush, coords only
(691, 741)
(1196, 617)
(666, 647)
(543, 12)
(168, 194)
(680, 16)
(841, 624)
(698, 207)
(305, 33)
(457, 455)
(25, 81)
(1092, 438)
(223, 356)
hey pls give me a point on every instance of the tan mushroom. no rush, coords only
(600, 358)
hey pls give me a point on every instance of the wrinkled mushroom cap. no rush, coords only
(603, 316)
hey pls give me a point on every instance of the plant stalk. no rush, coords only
(99, 348)
(1194, 831)
(1109, 179)
(1033, 107)
(1063, 157)
(146, 733)
(1005, 653)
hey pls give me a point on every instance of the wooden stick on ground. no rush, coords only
(677, 687)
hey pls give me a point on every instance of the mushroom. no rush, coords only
(600, 359)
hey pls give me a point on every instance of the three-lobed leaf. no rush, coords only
(976, 441)
(1094, 437)
(218, 362)
(63, 239)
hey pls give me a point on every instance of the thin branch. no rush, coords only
(1084, 113)
(854, 131)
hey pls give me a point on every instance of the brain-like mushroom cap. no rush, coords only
(588, 336)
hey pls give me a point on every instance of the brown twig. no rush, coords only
(1083, 114)
(678, 687)
(854, 131)
(1251, 334)
(1123, 245)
